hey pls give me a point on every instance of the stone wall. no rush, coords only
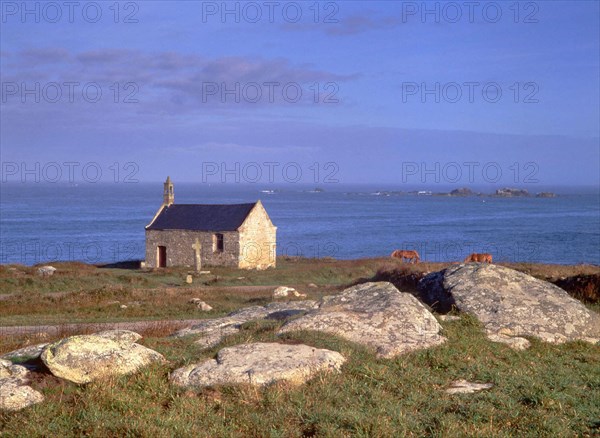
(253, 246)
(257, 240)
(180, 252)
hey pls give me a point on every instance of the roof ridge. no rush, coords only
(241, 203)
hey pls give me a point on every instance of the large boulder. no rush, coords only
(259, 364)
(84, 358)
(374, 314)
(511, 304)
(212, 331)
(15, 394)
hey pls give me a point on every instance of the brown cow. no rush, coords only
(409, 255)
(480, 258)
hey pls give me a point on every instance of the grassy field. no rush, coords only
(547, 390)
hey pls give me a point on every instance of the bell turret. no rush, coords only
(168, 194)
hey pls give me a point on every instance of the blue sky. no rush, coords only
(363, 70)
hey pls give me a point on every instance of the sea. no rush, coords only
(104, 223)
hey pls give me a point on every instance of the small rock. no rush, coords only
(123, 306)
(298, 294)
(514, 342)
(259, 364)
(312, 285)
(85, 358)
(189, 279)
(282, 291)
(463, 387)
(14, 393)
(204, 307)
(241, 278)
(46, 271)
(195, 300)
(204, 272)
(12, 373)
(31, 352)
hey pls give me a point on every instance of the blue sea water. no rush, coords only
(104, 223)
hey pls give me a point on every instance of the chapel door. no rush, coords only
(161, 257)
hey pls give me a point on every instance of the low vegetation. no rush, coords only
(548, 390)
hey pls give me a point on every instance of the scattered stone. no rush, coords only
(374, 314)
(212, 331)
(241, 278)
(15, 394)
(203, 272)
(463, 387)
(298, 294)
(31, 352)
(282, 291)
(312, 285)
(123, 306)
(189, 279)
(84, 358)
(516, 342)
(204, 307)
(200, 304)
(511, 304)
(46, 271)
(259, 364)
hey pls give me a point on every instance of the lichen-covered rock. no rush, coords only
(84, 358)
(12, 373)
(511, 304)
(212, 331)
(463, 387)
(283, 291)
(259, 364)
(14, 392)
(374, 314)
(200, 304)
(46, 271)
(31, 352)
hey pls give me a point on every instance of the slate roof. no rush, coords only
(201, 217)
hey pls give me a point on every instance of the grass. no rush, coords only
(85, 293)
(545, 391)
(548, 390)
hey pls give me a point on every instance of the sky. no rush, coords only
(394, 92)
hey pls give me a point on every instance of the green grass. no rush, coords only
(547, 390)
(85, 293)
(544, 391)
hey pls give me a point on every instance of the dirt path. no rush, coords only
(199, 289)
(84, 327)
